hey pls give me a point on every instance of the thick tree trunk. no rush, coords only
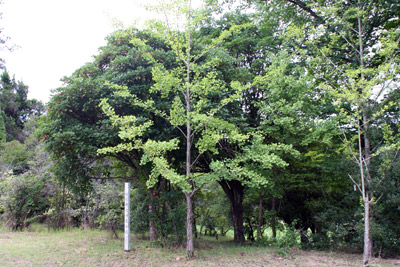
(260, 213)
(237, 213)
(152, 225)
(189, 226)
(235, 192)
(194, 218)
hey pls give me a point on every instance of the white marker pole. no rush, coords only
(127, 243)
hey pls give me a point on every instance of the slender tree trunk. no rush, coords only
(367, 174)
(63, 197)
(189, 226)
(365, 157)
(367, 251)
(260, 213)
(250, 233)
(189, 212)
(273, 217)
(367, 254)
(235, 192)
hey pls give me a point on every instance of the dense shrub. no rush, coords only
(109, 203)
(169, 211)
(23, 200)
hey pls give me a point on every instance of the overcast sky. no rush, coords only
(55, 37)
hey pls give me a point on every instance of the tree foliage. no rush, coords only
(16, 108)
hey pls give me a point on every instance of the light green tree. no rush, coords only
(198, 95)
(353, 51)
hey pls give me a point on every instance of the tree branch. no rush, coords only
(304, 7)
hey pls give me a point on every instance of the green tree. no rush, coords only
(74, 127)
(25, 184)
(197, 95)
(16, 107)
(250, 50)
(353, 52)
(2, 127)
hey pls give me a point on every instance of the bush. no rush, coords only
(110, 206)
(171, 215)
(140, 216)
(289, 238)
(23, 200)
(286, 240)
(62, 211)
(169, 211)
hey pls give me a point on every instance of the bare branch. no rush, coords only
(355, 183)
(195, 161)
(303, 6)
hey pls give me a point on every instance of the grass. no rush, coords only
(44, 247)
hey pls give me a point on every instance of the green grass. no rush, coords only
(75, 247)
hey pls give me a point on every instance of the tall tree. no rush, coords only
(247, 49)
(278, 104)
(74, 127)
(197, 95)
(353, 50)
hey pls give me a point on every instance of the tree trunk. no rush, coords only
(194, 218)
(260, 213)
(367, 254)
(196, 235)
(235, 192)
(189, 226)
(366, 159)
(152, 225)
(250, 233)
(273, 218)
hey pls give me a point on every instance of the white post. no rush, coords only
(127, 243)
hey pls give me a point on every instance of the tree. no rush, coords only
(16, 108)
(280, 104)
(2, 127)
(25, 181)
(197, 95)
(250, 50)
(75, 128)
(353, 51)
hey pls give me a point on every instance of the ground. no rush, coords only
(98, 248)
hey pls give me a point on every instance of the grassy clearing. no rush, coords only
(98, 248)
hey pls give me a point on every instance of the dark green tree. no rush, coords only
(75, 128)
(3, 132)
(16, 107)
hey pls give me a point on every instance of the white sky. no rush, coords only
(58, 36)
